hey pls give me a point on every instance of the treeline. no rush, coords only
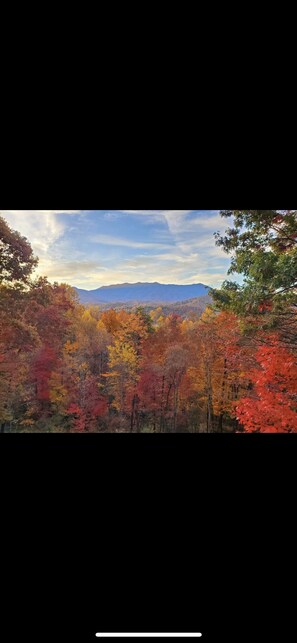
(189, 308)
(66, 367)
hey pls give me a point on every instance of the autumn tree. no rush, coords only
(18, 337)
(123, 365)
(111, 321)
(134, 328)
(48, 307)
(214, 376)
(78, 387)
(175, 366)
(271, 405)
(163, 366)
(93, 339)
(88, 407)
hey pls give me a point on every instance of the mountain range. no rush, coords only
(141, 293)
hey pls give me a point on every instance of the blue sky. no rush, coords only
(92, 248)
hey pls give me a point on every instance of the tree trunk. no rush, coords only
(132, 414)
(167, 401)
(135, 414)
(175, 410)
(162, 406)
(209, 413)
(221, 417)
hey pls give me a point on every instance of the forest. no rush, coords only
(65, 367)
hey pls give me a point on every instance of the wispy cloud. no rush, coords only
(42, 227)
(93, 248)
(109, 240)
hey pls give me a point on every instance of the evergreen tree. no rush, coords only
(263, 248)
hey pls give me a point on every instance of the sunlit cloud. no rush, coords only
(89, 248)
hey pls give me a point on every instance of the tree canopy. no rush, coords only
(17, 259)
(263, 248)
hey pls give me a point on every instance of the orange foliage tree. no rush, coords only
(272, 404)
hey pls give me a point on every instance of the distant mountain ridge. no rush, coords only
(142, 292)
(188, 309)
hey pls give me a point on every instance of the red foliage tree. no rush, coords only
(88, 408)
(272, 405)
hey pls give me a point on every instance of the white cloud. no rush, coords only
(180, 223)
(185, 250)
(42, 227)
(110, 240)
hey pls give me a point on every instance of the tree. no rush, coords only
(87, 405)
(214, 378)
(134, 328)
(18, 337)
(49, 308)
(163, 366)
(17, 260)
(176, 361)
(123, 363)
(93, 340)
(272, 403)
(263, 247)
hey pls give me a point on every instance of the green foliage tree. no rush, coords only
(16, 256)
(263, 248)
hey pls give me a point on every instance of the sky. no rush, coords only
(93, 248)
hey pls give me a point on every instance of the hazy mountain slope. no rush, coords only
(185, 309)
(142, 292)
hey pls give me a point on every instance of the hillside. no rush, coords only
(185, 309)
